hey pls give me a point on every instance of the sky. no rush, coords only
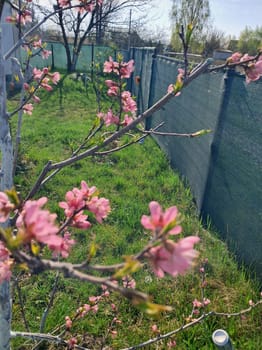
(229, 16)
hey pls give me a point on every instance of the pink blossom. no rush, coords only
(64, 3)
(196, 312)
(5, 263)
(106, 294)
(79, 199)
(5, 270)
(246, 57)
(28, 108)
(83, 310)
(173, 258)
(109, 118)
(79, 220)
(74, 202)
(196, 303)
(38, 224)
(37, 44)
(86, 191)
(5, 207)
(254, 71)
(109, 83)
(24, 17)
(113, 91)
(55, 77)
(111, 66)
(116, 320)
(94, 308)
(206, 301)
(45, 53)
(126, 68)
(127, 120)
(94, 299)
(36, 99)
(68, 322)
(170, 88)
(26, 86)
(11, 19)
(171, 344)
(113, 334)
(129, 282)
(37, 74)
(235, 57)
(181, 73)
(44, 84)
(100, 207)
(71, 343)
(62, 245)
(154, 328)
(4, 252)
(159, 220)
(128, 104)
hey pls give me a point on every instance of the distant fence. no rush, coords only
(224, 168)
(88, 54)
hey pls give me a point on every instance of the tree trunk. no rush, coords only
(6, 182)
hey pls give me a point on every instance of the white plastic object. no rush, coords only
(221, 340)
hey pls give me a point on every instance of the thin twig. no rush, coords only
(194, 134)
(51, 301)
(44, 337)
(59, 340)
(21, 302)
(190, 324)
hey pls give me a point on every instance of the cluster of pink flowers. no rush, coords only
(170, 257)
(128, 104)
(123, 71)
(24, 16)
(251, 64)
(92, 307)
(37, 45)
(35, 224)
(82, 199)
(109, 118)
(42, 78)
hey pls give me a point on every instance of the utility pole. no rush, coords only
(129, 29)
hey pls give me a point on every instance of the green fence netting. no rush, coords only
(89, 53)
(223, 168)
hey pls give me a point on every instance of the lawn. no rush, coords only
(131, 179)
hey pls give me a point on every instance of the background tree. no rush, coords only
(188, 12)
(250, 40)
(78, 27)
(212, 39)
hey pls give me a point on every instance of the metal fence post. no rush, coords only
(148, 121)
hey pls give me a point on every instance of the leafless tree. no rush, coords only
(78, 27)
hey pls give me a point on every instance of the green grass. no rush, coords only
(130, 179)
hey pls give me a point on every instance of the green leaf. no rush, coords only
(131, 265)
